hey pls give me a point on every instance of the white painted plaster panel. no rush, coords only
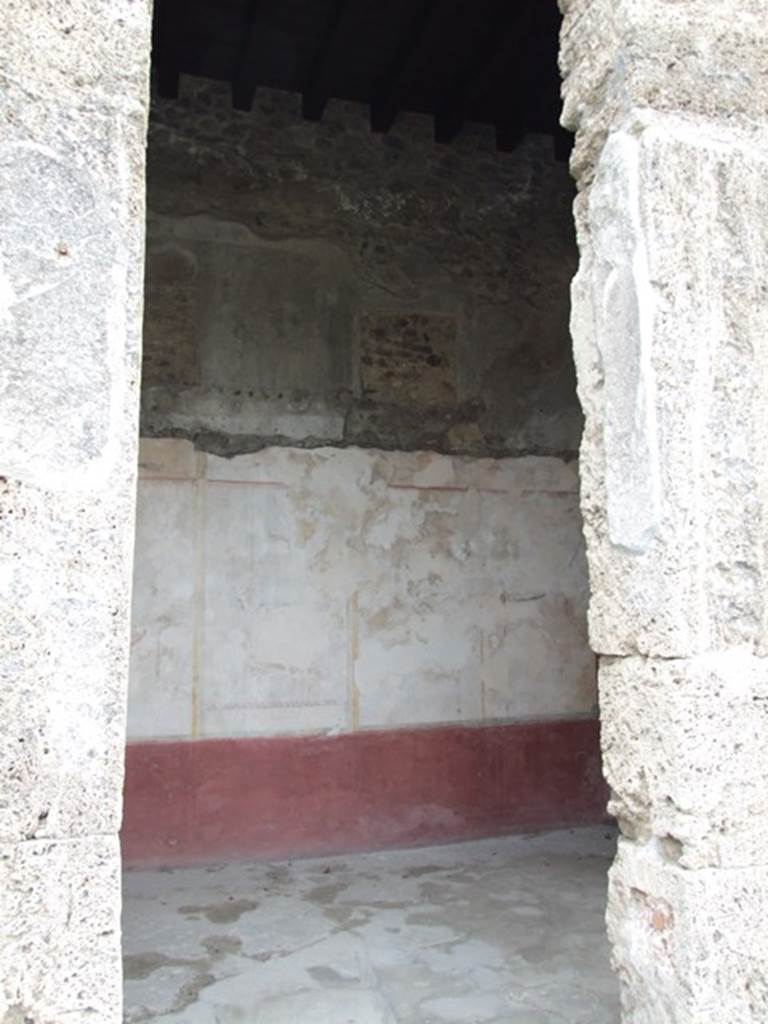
(162, 638)
(273, 639)
(337, 589)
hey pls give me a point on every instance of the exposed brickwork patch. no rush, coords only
(408, 357)
(170, 341)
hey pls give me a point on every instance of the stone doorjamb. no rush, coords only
(669, 99)
(73, 117)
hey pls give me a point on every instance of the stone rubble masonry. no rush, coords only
(669, 322)
(74, 109)
(319, 285)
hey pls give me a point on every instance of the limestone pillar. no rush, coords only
(670, 327)
(73, 107)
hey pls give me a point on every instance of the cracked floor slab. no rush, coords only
(502, 931)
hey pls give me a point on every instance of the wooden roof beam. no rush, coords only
(503, 49)
(387, 103)
(244, 79)
(337, 39)
(166, 30)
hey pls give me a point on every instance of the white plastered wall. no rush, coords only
(294, 591)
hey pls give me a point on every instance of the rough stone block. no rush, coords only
(669, 320)
(684, 753)
(82, 51)
(73, 109)
(71, 292)
(65, 561)
(696, 57)
(71, 252)
(60, 932)
(689, 947)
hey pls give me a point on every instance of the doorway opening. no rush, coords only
(359, 609)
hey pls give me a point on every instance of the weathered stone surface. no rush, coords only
(669, 320)
(669, 323)
(685, 755)
(71, 244)
(68, 379)
(60, 932)
(702, 59)
(689, 946)
(299, 232)
(73, 108)
(64, 658)
(85, 53)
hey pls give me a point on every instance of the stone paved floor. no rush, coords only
(503, 931)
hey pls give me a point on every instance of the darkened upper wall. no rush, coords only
(319, 284)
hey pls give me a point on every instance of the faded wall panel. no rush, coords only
(344, 589)
(163, 647)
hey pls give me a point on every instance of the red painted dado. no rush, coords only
(199, 801)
